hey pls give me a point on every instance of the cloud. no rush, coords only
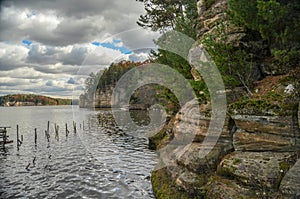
(51, 46)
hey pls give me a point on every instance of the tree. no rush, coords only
(277, 23)
(164, 15)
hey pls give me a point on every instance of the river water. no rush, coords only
(102, 160)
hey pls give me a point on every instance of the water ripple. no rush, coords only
(103, 161)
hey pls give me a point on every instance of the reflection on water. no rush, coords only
(102, 160)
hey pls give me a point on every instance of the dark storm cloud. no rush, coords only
(76, 8)
(72, 22)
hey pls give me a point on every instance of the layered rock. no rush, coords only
(184, 165)
(248, 164)
(266, 133)
(102, 98)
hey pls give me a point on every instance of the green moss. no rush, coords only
(227, 172)
(236, 161)
(272, 103)
(254, 106)
(164, 187)
(284, 166)
(160, 139)
(156, 140)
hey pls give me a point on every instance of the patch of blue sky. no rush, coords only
(32, 14)
(113, 46)
(116, 41)
(26, 42)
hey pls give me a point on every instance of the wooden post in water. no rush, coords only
(35, 136)
(18, 144)
(74, 127)
(21, 138)
(48, 128)
(4, 137)
(47, 136)
(67, 131)
(56, 127)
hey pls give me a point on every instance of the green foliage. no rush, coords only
(235, 63)
(286, 59)
(208, 3)
(163, 15)
(276, 22)
(110, 76)
(180, 16)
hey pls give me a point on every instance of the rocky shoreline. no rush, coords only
(257, 152)
(255, 157)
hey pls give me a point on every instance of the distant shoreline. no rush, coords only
(33, 100)
(39, 105)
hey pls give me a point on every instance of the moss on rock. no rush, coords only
(161, 139)
(164, 187)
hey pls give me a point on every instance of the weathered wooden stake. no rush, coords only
(67, 131)
(74, 127)
(21, 138)
(83, 125)
(35, 136)
(19, 142)
(56, 127)
(4, 137)
(48, 128)
(18, 137)
(47, 136)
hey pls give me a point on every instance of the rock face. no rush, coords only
(290, 185)
(187, 171)
(102, 98)
(142, 99)
(254, 157)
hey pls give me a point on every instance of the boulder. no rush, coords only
(262, 171)
(290, 184)
(190, 157)
(191, 182)
(218, 187)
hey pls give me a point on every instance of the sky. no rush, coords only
(49, 47)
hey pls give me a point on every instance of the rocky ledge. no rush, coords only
(254, 157)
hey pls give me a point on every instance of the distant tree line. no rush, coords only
(34, 99)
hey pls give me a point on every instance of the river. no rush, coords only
(102, 160)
